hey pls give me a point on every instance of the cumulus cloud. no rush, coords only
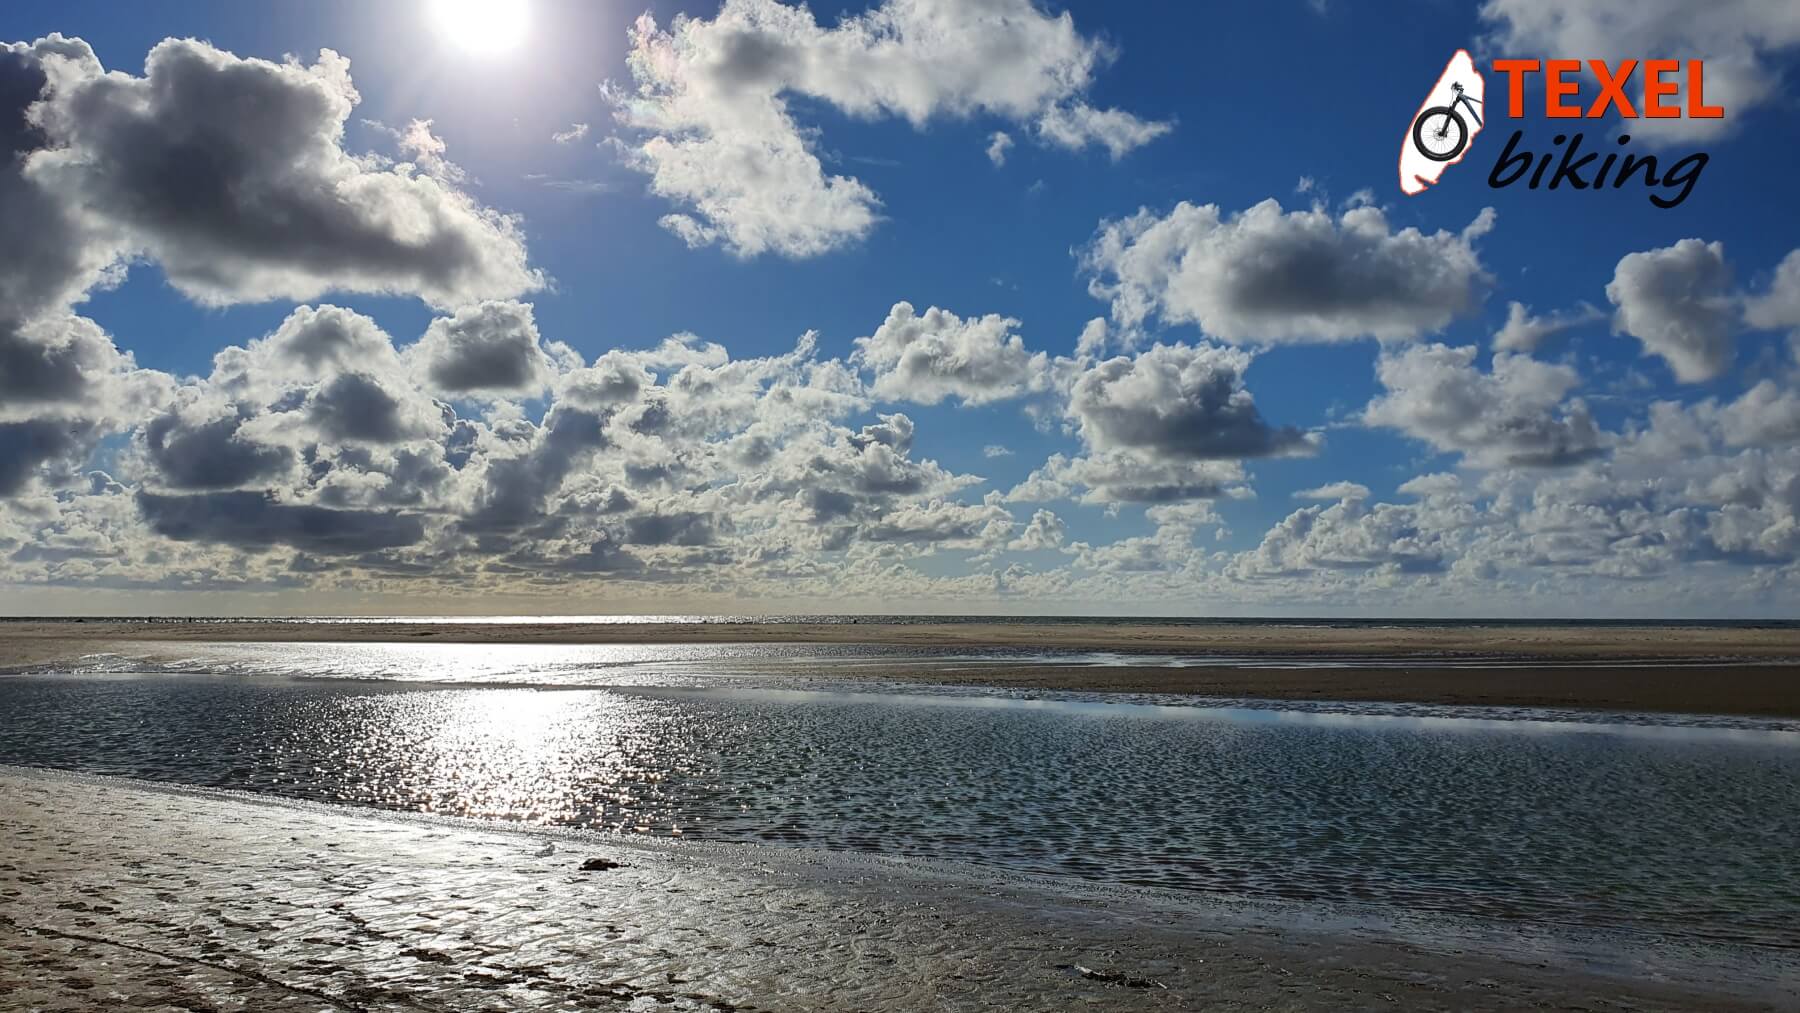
(1514, 415)
(1678, 301)
(490, 347)
(1742, 43)
(1108, 479)
(928, 358)
(576, 132)
(29, 444)
(1335, 491)
(1266, 275)
(231, 174)
(720, 140)
(251, 520)
(1778, 308)
(1045, 531)
(1524, 330)
(1179, 402)
(1349, 534)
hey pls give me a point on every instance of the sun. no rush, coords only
(481, 26)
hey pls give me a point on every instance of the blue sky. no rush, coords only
(1244, 102)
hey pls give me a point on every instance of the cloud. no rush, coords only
(250, 520)
(231, 174)
(27, 445)
(1335, 491)
(490, 347)
(1778, 308)
(1177, 402)
(719, 138)
(1077, 125)
(1742, 43)
(1349, 535)
(1514, 415)
(994, 450)
(1266, 275)
(1106, 479)
(998, 145)
(206, 452)
(1523, 331)
(1678, 301)
(926, 359)
(1045, 531)
(576, 132)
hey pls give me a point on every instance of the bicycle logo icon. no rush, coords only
(1440, 134)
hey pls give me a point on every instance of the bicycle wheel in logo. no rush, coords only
(1440, 133)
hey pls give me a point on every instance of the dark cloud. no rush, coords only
(490, 347)
(684, 527)
(230, 173)
(209, 455)
(25, 446)
(516, 488)
(1177, 401)
(254, 521)
(1265, 275)
(353, 406)
(43, 363)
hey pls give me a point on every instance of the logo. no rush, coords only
(1445, 126)
(1442, 132)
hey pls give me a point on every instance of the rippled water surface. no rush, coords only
(1676, 829)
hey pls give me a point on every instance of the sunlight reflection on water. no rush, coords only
(1666, 827)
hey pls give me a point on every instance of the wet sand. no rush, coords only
(1715, 671)
(116, 894)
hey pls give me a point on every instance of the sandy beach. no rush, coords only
(1702, 670)
(114, 893)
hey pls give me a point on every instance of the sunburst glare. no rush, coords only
(482, 26)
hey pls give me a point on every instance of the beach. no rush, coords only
(446, 815)
(1655, 668)
(124, 895)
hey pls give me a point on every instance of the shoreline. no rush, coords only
(1705, 670)
(168, 895)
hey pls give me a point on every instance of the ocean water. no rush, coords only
(1675, 828)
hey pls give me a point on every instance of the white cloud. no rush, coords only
(1077, 125)
(720, 140)
(1524, 331)
(267, 203)
(1518, 414)
(1678, 301)
(1778, 308)
(1335, 491)
(1742, 42)
(998, 146)
(926, 359)
(576, 132)
(1267, 275)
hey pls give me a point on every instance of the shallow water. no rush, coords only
(1665, 827)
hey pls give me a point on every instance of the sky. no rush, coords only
(953, 306)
